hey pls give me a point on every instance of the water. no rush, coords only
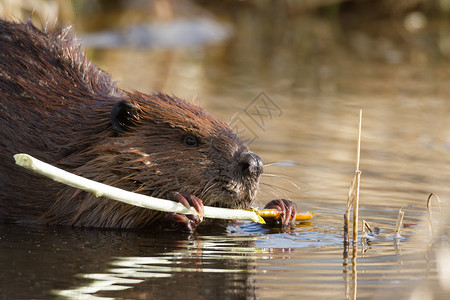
(247, 262)
(316, 74)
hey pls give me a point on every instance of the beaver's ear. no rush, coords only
(124, 114)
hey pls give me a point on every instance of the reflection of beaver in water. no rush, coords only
(59, 107)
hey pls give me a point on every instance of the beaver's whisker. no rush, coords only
(270, 191)
(282, 164)
(208, 186)
(286, 178)
(281, 175)
(277, 188)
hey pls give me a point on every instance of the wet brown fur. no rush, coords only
(56, 106)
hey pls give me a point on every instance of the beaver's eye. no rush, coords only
(190, 141)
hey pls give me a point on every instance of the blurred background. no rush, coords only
(319, 46)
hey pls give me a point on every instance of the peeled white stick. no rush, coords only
(103, 190)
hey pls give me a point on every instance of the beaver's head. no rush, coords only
(73, 114)
(156, 144)
(166, 144)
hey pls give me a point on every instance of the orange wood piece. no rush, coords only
(275, 213)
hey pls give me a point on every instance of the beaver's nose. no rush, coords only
(250, 165)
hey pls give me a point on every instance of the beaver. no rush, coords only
(59, 107)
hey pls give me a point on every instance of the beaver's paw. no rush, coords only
(288, 211)
(180, 222)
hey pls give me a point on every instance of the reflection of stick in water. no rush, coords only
(100, 189)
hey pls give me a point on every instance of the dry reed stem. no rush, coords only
(357, 181)
(365, 226)
(353, 195)
(398, 226)
(356, 209)
(364, 235)
(346, 229)
(347, 213)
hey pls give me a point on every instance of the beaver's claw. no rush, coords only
(288, 212)
(180, 222)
